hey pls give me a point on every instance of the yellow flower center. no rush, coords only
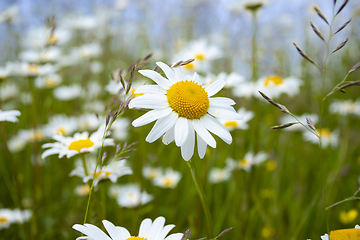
(152, 174)
(36, 136)
(231, 124)
(132, 91)
(107, 174)
(61, 130)
(345, 234)
(188, 99)
(189, 66)
(168, 182)
(325, 133)
(136, 238)
(3, 220)
(351, 106)
(348, 217)
(273, 79)
(33, 68)
(50, 82)
(80, 144)
(200, 56)
(83, 190)
(243, 163)
(52, 39)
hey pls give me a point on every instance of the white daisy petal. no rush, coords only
(201, 144)
(175, 236)
(150, 89)
(123, 233)
(156, 228)
(205, 135)
(151, 116)
(145, 228)
(179, 73)
(150, 101)
(181, 131)
(214, 87)
(224, 113)
(96, 233)
(169, 136)
(161, 126)
(217, 128)
(156, 77)
(187, 149)
(165, 231)
(221, 101)
(111, 229)
(170, 74)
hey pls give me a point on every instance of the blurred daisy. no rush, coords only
(67, 93)
(60, 125)
(167, 178)
(247, 162)
(352, 233)
(203, 53)
(10, 13)
(217, 175)
(232, 124)
(148, 231)
(274, 86)
(298, 127)
(245, 89)
(79, 143)
(41, 37)
(50, 54)
(182, 107)
(86, 51)
(112, 171)
(119, 129)
(32, 70)
(82, 190)
(113, 87)
(328, 138)
(8, 217)
(89, 122)
(129, 195)
(10, 116)
(345, 107)
(232, 79)
(5, 72)
(48, 81)
(151, 172)
(77, 22)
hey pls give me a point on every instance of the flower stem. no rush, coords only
(204, 203)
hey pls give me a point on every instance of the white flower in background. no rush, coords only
(91, 50)
(71, 59)
(50, 54)
(298, 127)
(41, 37)
(82, 190)
(233, 79)
(79, 143)
(77, 22)
(181, 108)
(129, 195)
(10, 116)
(6, 71)
(23, 137)
(119, 129)
(67, 93)
(250, 159)
(203, 53)
(148, 231)
(48, 81)
(10, 14)
(96, 106)
(8, 91)
(16, 143)
(245, 89)
(8, 217)
(168, 178)
(60, 125)
(217, 175)
(345, 107)
(340, 234)
(113, 87)
(112, 171)
(151, 172)
(96, 67)
(328, 138)
(24, 69)
(89, 122)
(232, 124)
(274, 86)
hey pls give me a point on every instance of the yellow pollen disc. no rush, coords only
(273, 79)
(52, 39)
(345, 234)
(244, 163)
(231, 124)
(189, 66)
(351, 106)
(107, 174)
(188, 99)
(136, 238)
(33, 68)
(153, 174)
(61, 130)
(200, 56)
(80, 144)
(325, 133)
(3, 220)
(168, 182)
(132, 91)
(49, 82)
(36, 136)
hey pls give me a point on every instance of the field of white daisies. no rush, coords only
(176, 120)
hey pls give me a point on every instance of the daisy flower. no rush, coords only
(151, 172)
(60, 125)
(328, 138)
(49, 81)
(245, 89)
(345, 107)
(8, 217)
(232, 124)
(167, 179)
(352, 233)
(112, 171)
(148, 231)
(67, 93)
(183, 107)
(217, 175)
(129, 195)
(79, 143)
(250, 159)
(9, 116)
(274, 86)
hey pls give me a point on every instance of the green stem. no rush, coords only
(204, 203)
(84, 164)
(345, 200)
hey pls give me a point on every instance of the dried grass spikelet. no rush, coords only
(284, 125)
(303, 54)
(317, 31)
(341, 45)
(320, 14)
(343, 26)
